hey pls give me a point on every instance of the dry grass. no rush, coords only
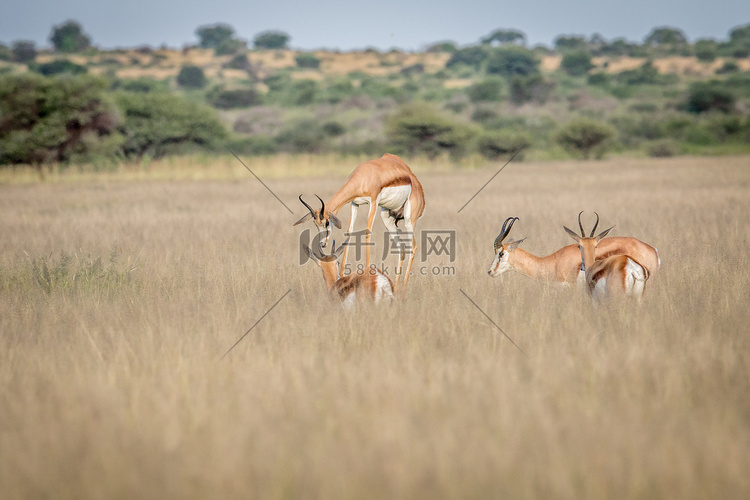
(112, 385)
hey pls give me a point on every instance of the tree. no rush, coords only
(271, 40)
(419, 129)
(585, 136)
(23, 51)
(504, 37)
(576, 63)
(509, 61)
(706, 50)
(669, 38)
(564, 43)
(191, 77)
(154, 123)
(45, 120)
(212, 35)
(709, 96)
(489, 89)
(69, 37)
(496, 143)
(305, 60)
(470, 56)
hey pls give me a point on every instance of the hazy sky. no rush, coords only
(356, 24)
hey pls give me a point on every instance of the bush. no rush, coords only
(497, 143)
(470, 56)
(23, 51)
(271, 40)
(159, 123)
(598, 79)
(728, 67)
(234, 98)
(50, 119)
(709, 96)
(230, 47)
(706, 50)
(530, 88)
(585, 136)
(576, 63)
(305, 136)
(511, 61)
(418, 128)
(142, 84)
(306, 60)
(191, 77)
(58, 67)
(489, 89)
(665, 148)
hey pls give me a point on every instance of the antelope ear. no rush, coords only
(340, 249)
(572, 234)
(336, 221)
(514, 244)
(303, 219)
(603, 234)
(310, 253)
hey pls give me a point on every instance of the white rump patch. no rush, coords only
(394, 197)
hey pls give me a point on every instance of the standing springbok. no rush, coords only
(564, 265)
(386, 182)
(614, 275)
(370, 285)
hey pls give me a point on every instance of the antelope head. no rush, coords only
(502, 250)
(321, 218)
(587, 244)
(328, 263)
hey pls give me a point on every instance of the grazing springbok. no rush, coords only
(387, 183)
(614, 275)
(564, 265)
(372, 284)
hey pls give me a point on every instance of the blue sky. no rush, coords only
(355, 24)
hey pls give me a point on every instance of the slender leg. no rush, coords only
(411, 259)
(351, 229)
(390, 224)
(368, 234)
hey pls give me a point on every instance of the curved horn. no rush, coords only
(583, 233)
(308, 206)
(596, 224)
(504, 231)
(322, 207)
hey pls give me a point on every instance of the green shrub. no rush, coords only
(664, 148)
(706, 50)
(5, 53)
(159, 123)
(511, 61)
(191, 77)
(271, 40)
(142, 84)
(418, 128)
(231, 47)
(530, 88)
(57, 67)
(598, 79)
(69, 37)
(234, 98)
(728, 67)
(576, 63)
(213, 35)
(488, 89)
(709, 96)
(473, 57)
(306, 60)
(585, 136)
(23, 51)
(305, 136)
(497, 143)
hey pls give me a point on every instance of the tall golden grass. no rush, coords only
(120, 294)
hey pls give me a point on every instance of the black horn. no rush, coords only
(583, 233)
(596, 224)
(308, 206)
(507, 225)
(322, 207)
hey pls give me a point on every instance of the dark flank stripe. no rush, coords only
(398, 181)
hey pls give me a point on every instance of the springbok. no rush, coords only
(614, 275)
(370, 285)
(386, 182)
(564, 265)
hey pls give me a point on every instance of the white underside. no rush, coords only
(394, 197)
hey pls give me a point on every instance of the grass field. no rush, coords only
(120, 293)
